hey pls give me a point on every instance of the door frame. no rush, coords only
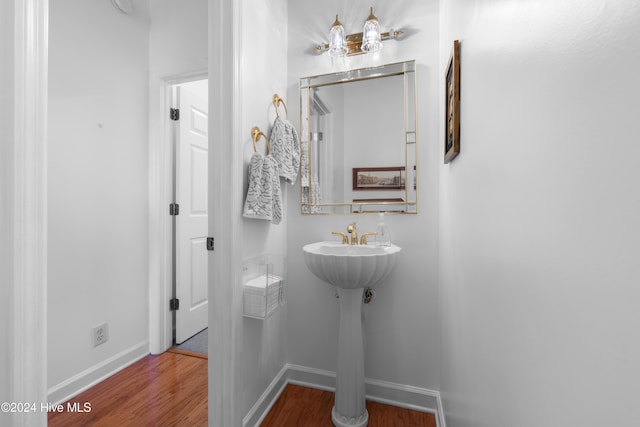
(226, 178)
(161, 269)
(27, 287)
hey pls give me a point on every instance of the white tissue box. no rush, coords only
(262, 295)
(263, 285)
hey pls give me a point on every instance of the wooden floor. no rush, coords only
(307, 407)
(171, 390)
(165, 390)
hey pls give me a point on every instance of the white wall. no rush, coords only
(539, 216)
(262, 72)
(401, 324)
(6, 193)
(98, 63)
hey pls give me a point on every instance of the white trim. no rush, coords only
(265, 402)
(400, 395)
(311, 377)
(225, 207)
(187, 77)
(159, 236)
(160, 227)
(89, 377)
(29, 287)
(440, 418)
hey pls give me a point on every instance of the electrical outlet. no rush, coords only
(100, 334)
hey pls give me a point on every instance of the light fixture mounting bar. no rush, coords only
(354, 42)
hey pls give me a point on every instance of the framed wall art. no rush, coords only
(387, 178)
(452, 105)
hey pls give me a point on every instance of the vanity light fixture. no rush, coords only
(369, 41)
(337, 40)
(371, 34)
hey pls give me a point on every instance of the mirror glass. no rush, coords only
(358, 141)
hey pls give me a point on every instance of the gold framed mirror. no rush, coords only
(359, 141)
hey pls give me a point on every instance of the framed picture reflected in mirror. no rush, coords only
(385, 178)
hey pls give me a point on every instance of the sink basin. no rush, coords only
(350, 266)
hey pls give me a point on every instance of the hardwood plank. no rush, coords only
(300, 406)
(165, 390)
(188, 353)
(171, 390)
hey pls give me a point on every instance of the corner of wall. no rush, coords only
(6, 194)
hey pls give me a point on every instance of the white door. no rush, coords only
(192, 219)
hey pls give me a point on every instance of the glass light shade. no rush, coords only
(371, 35)
(337, 40)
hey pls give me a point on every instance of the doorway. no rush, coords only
(189, 209)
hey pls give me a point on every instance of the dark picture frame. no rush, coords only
(385, 178)
(452, 105)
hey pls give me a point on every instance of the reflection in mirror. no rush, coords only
(358, 141)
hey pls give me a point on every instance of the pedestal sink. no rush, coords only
(350, 268)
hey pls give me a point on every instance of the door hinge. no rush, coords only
(174, 304)
(210, 243)
(174, 114)
(174, 209)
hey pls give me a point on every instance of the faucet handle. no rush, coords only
(345, 239)
(363, 238)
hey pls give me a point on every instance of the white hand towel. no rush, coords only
(271, 167)
(285, 146)
(264, 197)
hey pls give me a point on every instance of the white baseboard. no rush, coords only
(89, 377)
(403, 396)
(265, 402)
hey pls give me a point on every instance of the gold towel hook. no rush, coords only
(276, 101)
(256, 133)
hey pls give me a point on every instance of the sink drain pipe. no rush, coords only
(368, 295)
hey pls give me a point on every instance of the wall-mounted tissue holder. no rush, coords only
(263, 285)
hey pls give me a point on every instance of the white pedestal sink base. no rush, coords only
(349, 409)
(341, 421)
(350, 268)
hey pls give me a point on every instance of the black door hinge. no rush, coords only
(174, 114)
(174, 304)
(174, 209)
(210, 243)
